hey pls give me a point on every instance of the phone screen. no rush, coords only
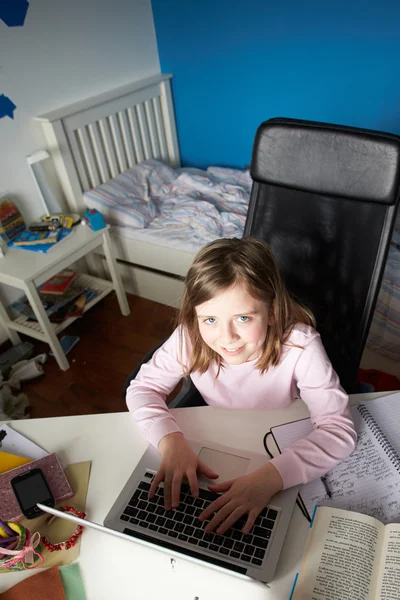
(30, 488)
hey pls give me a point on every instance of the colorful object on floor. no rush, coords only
(45, 585)
(372, 380)
(11, 220)
(72, 582)
(19, 548)
(94, 219)
(67, 343)
(56, 583)
(71, 541)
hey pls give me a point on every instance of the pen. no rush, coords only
(326, 486)
(6, 541)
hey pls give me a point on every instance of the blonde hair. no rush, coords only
(248, 262)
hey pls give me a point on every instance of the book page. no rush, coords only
(388, 587)
(340, 561)
(367, 481)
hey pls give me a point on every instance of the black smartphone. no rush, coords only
(30, 488)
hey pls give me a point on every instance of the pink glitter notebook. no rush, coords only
(55, 476)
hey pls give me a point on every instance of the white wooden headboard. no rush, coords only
(95, 139)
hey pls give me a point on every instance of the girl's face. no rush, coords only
(234, 324)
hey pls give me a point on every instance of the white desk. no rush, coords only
(117, 569)
(26, 270)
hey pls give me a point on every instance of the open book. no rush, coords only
(367, 481)
(349, 555)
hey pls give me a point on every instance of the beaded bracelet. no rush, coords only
(70, 542)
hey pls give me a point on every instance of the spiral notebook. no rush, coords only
(368, 481)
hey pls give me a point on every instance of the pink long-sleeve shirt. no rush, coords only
(304, 370)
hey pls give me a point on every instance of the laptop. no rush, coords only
(180, 533)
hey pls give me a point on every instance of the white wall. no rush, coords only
(66, 50)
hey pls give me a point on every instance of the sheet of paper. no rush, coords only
(15, 443)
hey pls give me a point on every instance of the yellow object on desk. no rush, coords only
(11, 461)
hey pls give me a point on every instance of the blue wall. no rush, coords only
(236, 64)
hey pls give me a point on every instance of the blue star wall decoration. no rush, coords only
(13, 12)
(6, 107)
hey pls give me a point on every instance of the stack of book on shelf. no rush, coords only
(11, 220)
(39, 241)
(63, 296)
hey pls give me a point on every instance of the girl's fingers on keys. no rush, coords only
(167, 491)
(158, 478)
(193, 482)
(221, 515)
(231, 519)
(253, 514)
(213, 507)
(176, 490)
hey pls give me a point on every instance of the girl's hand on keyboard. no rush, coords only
(178, 461)
(245, 495)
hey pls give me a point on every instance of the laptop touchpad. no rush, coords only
(228, 466)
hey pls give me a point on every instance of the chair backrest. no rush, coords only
(325, 198)
(189, 394)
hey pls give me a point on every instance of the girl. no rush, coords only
(245, 344)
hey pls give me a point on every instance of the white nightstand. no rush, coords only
(26, 270)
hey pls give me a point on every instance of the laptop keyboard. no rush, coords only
(183, 524)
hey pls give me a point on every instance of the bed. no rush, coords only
(118, 152)
(100, 142)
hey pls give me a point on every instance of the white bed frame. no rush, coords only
(95, 139)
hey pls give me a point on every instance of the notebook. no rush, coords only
(368, 481)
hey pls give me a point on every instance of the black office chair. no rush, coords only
(188, 396)
(325, 198)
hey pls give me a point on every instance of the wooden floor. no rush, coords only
(110, 346)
